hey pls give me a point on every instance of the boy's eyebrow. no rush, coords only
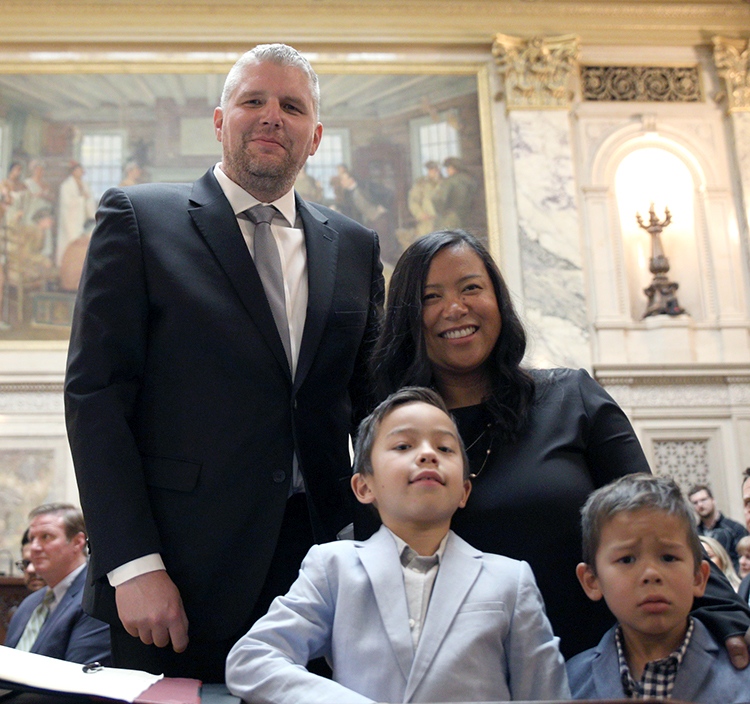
(412, 429)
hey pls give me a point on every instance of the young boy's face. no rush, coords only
(646, 573)
(418, 472)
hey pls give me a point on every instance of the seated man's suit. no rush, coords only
(68, 633)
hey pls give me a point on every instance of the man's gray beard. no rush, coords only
(266, 183)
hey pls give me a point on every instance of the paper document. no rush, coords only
(39, 671)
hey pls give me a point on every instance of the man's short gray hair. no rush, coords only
(279, 54)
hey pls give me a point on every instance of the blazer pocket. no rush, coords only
(167, 473)
(349, 318)
(482, 606)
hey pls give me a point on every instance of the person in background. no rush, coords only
(420, 199)
(743, 550)
(539, 441)
(32, 580)
(51, 621)
(720, 557)
(714, 523)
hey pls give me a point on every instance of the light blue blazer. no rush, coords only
(68, 633)
(705, 675)
(485, 637)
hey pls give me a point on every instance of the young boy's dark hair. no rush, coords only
(368, 428)
(631, 493)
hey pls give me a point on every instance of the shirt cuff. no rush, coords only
(135, 568)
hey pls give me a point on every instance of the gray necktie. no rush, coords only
(268, 264)
(35, 622)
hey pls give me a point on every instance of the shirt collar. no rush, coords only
(657, 673)
(64, 584)
(241, 200)
(406, 552)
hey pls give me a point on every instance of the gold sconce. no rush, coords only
(662, 299)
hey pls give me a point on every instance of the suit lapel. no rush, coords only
(380, 559)
(605, 668)
(322, 244)
(61, 609)
(696, 665)
(458, 571)
(214, 218)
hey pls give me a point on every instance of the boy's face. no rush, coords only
(418, 472)
(646, 574)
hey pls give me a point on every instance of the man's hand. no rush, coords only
(150, 608)
(737, 648)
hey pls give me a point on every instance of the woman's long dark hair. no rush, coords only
(400, 354)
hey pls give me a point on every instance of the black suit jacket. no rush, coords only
(182, 414)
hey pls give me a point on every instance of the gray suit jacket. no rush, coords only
(68, 633)
(705, 675)
(485, 637)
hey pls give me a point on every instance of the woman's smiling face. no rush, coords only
(460, 318)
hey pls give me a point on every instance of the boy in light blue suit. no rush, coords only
(642, 555)
(414, 614)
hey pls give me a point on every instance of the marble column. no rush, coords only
(536, 75)
(731, 59)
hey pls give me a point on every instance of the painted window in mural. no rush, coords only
(401, 153)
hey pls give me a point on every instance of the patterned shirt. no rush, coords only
(658, 678)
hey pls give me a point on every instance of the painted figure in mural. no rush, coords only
(74, 207)
(210, 394)
(454, 196)
(421, 205)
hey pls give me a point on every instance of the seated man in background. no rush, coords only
(32, 580)
(51, 621)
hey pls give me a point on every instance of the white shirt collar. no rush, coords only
(401, 544)
(64, 584)
(241, 200)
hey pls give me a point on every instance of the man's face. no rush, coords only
(418, 471)
(703, 503)
(30, 577)
(53, 555)
(746, 501)
(268, 129)
(645, 571)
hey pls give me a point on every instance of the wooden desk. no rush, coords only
(12, 592)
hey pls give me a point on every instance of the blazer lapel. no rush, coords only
(696, 665)
(62, 608)
(214, 218)
(605, 668)
(459, 569)
(380, 560)
(322, 244)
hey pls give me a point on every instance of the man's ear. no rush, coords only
(701, 578)
(361, 488)
(79, 540)
(218, 122)
(589, 581)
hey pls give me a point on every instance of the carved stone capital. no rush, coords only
(536, 71)
(732, 59)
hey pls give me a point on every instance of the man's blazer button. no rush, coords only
(278, 476)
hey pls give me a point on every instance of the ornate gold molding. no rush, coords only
(536, 71)
(732, 59)
(662, 84)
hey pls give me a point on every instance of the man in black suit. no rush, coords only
(210, 453)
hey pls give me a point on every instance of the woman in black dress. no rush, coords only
(539, 441)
